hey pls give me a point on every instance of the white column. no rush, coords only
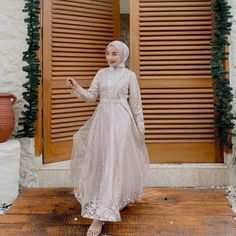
(10, 153)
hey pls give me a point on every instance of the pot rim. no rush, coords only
(6, 94)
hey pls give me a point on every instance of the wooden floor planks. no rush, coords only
(162, 211)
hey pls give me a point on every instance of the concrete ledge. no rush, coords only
(187, 175)
(159, 175)
(10, 153)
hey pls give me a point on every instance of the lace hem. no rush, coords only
(111, 212)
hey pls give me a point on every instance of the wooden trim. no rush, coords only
(226, 68)
(38, 124)
(219, 151)
(116, 12)
(47, 71)
(134, 38)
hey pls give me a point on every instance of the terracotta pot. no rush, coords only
(7, 118)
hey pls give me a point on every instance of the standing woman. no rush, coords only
(109, 155)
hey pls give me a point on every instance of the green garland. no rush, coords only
(32, 7)
(221, 82)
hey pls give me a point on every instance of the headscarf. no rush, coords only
(122, 49)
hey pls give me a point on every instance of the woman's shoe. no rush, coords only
(95, 230)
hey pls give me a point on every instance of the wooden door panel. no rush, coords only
(75, 33)
(181, 152)
(170, 54)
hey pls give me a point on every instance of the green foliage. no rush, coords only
(29, 115)
(223, 91)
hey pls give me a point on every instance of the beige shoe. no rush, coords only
(95, 229)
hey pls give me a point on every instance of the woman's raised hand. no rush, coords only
(71, 83)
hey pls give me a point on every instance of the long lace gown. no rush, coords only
(109, 155)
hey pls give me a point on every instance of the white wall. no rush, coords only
(124, 6)
(233, 49)
(232, 65)
(13, 32)
(12, 44)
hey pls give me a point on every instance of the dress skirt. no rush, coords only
(109, 161)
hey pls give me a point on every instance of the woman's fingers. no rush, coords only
(70, 82)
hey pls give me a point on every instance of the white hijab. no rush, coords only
(122, 49)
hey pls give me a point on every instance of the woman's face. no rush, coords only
(112, 56)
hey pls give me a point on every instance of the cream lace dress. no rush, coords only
(109, 155)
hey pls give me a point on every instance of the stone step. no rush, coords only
(159, 175)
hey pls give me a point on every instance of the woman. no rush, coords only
(109, 155)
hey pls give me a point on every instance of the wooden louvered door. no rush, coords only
(75, 33)
(170, 53)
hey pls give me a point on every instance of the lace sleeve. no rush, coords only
(136, 103)
(90, 94)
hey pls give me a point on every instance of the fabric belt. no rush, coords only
(107, 100)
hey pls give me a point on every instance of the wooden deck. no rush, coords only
(163, 211)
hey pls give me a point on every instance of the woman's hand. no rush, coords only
(71, 83)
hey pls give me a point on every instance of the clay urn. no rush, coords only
(7, 117)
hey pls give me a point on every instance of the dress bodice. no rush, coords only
(115, 84)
